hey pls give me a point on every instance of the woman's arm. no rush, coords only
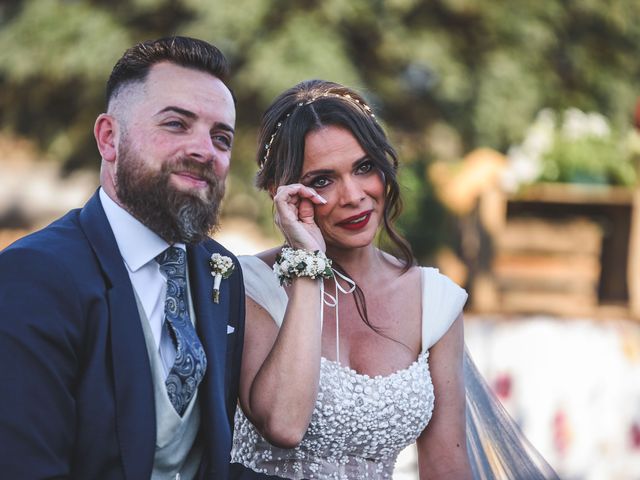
(281, 367)
(442, 448)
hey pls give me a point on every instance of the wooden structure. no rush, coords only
(561, 248)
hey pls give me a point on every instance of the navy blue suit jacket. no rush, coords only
(77, 395)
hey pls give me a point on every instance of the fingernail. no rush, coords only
(320, 198)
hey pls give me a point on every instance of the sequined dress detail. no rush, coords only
(359, 424)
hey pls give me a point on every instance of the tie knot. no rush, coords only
(172, 262)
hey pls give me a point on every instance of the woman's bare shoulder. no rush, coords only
(269, 256)
(398, 268)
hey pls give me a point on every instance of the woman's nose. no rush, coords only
(351, 192)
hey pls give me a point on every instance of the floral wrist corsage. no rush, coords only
(292, 263)
(221, 267)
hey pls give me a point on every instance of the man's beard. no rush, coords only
(174, 215)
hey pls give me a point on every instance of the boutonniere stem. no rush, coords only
(221, 267)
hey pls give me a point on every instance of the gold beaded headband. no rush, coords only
(346, 97)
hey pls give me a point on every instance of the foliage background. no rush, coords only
(445, 76)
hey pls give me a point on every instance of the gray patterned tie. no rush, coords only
(191, 361)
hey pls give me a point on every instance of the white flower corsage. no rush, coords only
(221, 267)
(292, 263)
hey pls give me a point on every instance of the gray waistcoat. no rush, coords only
(178, 452)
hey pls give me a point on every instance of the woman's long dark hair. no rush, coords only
(310, 106)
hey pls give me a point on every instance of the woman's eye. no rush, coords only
(320, 182)
(364, 167)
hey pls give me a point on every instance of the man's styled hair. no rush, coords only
(135, 63)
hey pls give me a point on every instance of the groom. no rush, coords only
(115, 360)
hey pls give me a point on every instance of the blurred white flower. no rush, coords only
(525, 160)
(580, 146)
(578, 124)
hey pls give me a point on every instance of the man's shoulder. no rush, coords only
(62, 242)
(61, 234)
(213, 246)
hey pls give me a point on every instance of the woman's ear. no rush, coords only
(104, 131)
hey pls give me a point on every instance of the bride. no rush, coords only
(351, 352)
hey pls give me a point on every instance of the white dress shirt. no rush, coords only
(139, 246)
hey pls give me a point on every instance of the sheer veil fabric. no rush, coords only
(497, 449)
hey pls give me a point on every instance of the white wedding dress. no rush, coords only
(360, 423)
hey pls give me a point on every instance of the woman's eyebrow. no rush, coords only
(360, 160)
(313, 173)
(328, 171)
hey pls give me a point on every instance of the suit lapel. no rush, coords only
(212, 319)
(135, 410)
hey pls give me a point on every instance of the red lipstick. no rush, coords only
(356, 222)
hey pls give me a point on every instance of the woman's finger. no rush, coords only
(306, 213)
(292, 193)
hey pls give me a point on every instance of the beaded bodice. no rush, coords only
(358, 426)
(360, 423)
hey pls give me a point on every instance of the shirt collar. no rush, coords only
(137, 243)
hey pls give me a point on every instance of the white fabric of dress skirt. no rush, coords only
(360, 423)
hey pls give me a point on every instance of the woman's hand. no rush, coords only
(295, 216)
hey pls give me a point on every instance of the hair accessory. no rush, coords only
(267, 146)
(294, 263)
(346, 96)
(349, 98)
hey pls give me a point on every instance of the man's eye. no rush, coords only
(222, 140)
(174, 124)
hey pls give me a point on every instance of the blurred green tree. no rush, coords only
(476, 70)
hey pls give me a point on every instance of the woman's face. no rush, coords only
(338, 168)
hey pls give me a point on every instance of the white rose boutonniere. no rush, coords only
(221, 267)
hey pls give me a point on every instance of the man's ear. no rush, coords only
(105, 132)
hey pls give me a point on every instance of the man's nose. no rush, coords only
(201, 147)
